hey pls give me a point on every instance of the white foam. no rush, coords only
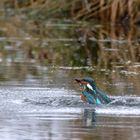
(119, 111)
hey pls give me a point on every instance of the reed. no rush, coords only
(102, 46)
(110, 10)
(105, 10)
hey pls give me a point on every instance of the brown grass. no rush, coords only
(105, 10)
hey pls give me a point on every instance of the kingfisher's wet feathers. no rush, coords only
(91, 93)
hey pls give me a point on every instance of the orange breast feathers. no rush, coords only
(83, 98)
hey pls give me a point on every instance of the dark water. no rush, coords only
(40, 57)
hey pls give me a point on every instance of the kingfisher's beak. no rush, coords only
(78, 80)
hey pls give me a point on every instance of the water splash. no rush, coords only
(42, 100)
(127, 105)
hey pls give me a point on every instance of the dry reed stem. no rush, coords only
(101, 53)
(83, 12)
(112, 10)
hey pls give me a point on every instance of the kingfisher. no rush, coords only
(91, 93)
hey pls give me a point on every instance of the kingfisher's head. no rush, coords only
(87, 83)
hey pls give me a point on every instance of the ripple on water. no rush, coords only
(43, 100)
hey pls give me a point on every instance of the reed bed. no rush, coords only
(126, 11)
(104, 46)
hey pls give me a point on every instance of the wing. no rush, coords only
(103, 97)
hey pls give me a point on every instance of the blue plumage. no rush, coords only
(91, 93)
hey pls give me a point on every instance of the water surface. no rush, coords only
(48, 106)
(40, 57)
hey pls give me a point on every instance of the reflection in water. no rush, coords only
(39, 127)
(89, 117)
(58, 113)
(103, 47)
